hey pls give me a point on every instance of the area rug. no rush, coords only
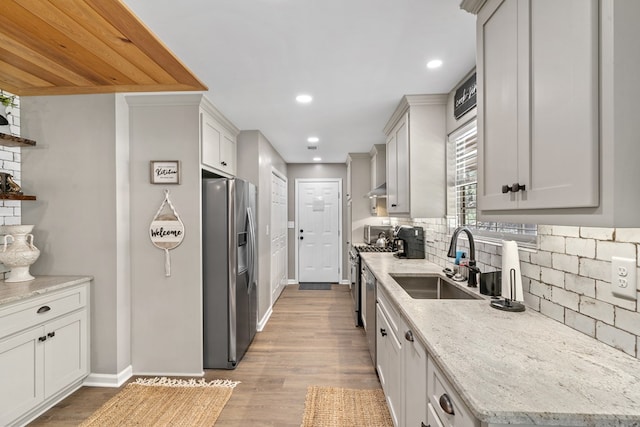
(344, 407)
(314, 286)
(164, 402)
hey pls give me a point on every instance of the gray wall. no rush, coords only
(166, 311)
(78, 171)
(256, 159)
(307, 171)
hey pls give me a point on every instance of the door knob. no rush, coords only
(301, 238)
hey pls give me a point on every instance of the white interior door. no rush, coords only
(278, 234)
(318, 232)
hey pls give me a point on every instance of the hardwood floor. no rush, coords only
(309, 340)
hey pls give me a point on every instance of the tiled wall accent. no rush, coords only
(10, 210)
(568, 277)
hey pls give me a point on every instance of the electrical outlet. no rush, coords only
(623, 277)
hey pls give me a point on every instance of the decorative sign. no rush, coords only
(166, 230)
(465, 97)
(165, 172)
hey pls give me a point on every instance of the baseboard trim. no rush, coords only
(344, 282)
(292, 282)
(263, 322)
(109, 380)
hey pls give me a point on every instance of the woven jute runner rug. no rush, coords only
(164, 402)
(343, 407)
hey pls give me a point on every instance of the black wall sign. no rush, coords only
(465, 98)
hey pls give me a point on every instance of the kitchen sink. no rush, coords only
(431, 287)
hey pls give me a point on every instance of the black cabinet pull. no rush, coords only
(446, 404)
(393, 205)
(42, 339)
(513, 188)
(51, 334)
(43, 309)
(383, 332)
(408, 336)
(223, 163)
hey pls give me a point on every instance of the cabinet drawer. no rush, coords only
(439, 388)
(34, 311)
(390, 312)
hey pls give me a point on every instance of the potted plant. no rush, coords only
(5, 101)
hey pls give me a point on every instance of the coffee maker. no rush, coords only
(408, 242)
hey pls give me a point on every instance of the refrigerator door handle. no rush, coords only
(252, 250)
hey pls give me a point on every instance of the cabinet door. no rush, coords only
(228, 154)
(415, 376)
(562, 157)
(21, 365)
(392, 175)
(65, 355)
(402, 165)
(389, 364)
(211, 141)
(497, 69)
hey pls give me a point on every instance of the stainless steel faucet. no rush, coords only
(473, 270)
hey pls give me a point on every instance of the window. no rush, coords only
(463, 162)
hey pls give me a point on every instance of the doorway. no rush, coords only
(318, 233)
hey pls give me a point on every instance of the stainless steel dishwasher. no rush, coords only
(370, 311)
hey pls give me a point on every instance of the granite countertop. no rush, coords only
(516, 368)
(12, 292)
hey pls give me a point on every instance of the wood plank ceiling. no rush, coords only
(56, 47)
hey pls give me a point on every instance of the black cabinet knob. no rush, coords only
(408, 336)
(513, 188)
(301, 238)
(51, 334)
(42, 339)
(383, 332)
(301, 230)
(393, 205)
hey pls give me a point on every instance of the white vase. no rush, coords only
(20, 254)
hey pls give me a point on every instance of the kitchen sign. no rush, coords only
(465, 97)
(165, 172)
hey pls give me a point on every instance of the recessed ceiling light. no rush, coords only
(304, 98)
(313, 139)
(434, 63)
(317, 159)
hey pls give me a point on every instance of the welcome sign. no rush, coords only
(166, 231)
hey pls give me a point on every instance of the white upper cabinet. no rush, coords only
(538, 93)
(218, 139)
(416, 141)
(557, 94)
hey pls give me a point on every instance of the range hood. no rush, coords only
(379, 191)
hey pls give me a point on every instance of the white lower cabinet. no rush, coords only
(388, 360)
(44, 352)
(445, 405)
(414, 374)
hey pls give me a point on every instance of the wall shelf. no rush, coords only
(15, 141)
(13, 196)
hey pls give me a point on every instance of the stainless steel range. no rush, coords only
(357, 283)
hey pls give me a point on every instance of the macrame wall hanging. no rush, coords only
(166, 230)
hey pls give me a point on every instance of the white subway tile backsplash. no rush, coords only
(581, 247)
(552, 277)
(628, 320)
(628, 235)
(605, 250)
(553, 310)
(616, 338)
(595, 269)
(551, 243)
(580, 285)
(582, 323)
(597, 309)
(559, 230)
(568, 263)
(565, 298)
(567, 278)
(597, 233)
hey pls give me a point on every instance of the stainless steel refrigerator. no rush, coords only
(229, 270)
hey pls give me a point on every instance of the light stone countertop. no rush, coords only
(516, 368)
(13, 292)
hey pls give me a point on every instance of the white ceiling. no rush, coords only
(357, 58)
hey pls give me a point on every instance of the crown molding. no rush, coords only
(472, 6)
